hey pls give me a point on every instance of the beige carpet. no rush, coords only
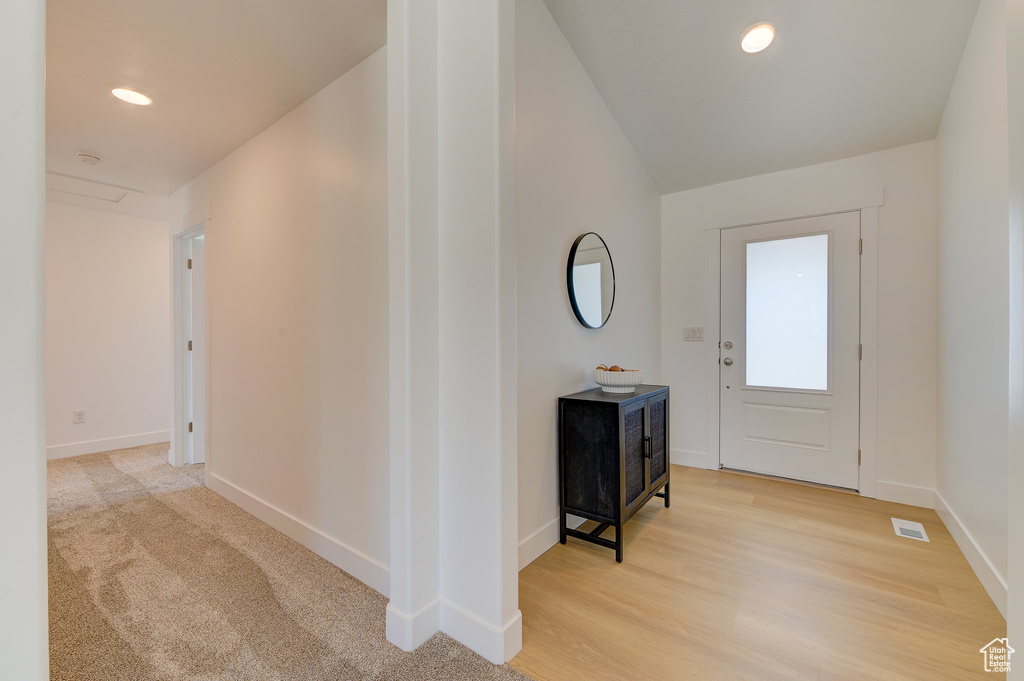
(153, 576)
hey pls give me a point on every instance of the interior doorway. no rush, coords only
(189, 434)
(790, 349)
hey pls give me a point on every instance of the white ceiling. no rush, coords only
(843, 77)
(219, 72)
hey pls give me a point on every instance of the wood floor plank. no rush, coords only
(746, 578)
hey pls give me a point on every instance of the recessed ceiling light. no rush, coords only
(131, 96)
(758, 37)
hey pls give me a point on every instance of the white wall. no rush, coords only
(107, 330)
(907, 305)
(575, 173)
(974, 298)
(298, 306)
(23, 616)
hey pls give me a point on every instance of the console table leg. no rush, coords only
(618, 542)
(561, 528)
(666, 494)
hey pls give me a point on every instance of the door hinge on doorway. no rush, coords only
(860, 350)
(190, 426)
(190, 263)
(190, 345)
(860, 249)
(858, 457)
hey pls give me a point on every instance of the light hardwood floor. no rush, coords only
(745, 578)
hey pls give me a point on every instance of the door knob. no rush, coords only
(727, 361)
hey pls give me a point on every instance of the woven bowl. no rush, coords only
(618, 381)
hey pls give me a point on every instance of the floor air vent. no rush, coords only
(909, 529)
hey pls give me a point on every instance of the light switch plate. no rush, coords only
(693, 333)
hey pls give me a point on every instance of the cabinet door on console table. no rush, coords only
(645, 432)
(613, 458)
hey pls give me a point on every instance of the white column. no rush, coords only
(476, 196)
(23, 616)
(1015, 363)
(412, 614)
(453, 324)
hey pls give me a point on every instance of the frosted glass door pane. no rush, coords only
(787, 313)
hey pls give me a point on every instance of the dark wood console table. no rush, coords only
(612, 458)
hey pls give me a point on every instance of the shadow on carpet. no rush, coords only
(153, 576)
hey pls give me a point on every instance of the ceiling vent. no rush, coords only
(76, 186)
(909, 529)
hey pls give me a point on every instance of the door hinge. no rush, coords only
(190, 426)
(190, 345)
(860, 350)
(858, 457)
(861, 249)
(190, 263)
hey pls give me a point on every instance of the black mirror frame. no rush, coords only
(571, 290)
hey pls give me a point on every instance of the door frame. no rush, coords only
(181, 291)
(839, 200)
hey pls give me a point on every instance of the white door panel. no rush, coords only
(793, 426)
(790, 369)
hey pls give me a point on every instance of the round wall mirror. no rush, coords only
(590, 277)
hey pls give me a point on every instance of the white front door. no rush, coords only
(789, 361)
(197, 365)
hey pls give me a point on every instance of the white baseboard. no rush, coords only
(409, 632)
(357, 564)
(107, 444)
(990, 578)
(534, 546)
(685, 457)
(498, 646)
(495, 645)
(904, 494)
